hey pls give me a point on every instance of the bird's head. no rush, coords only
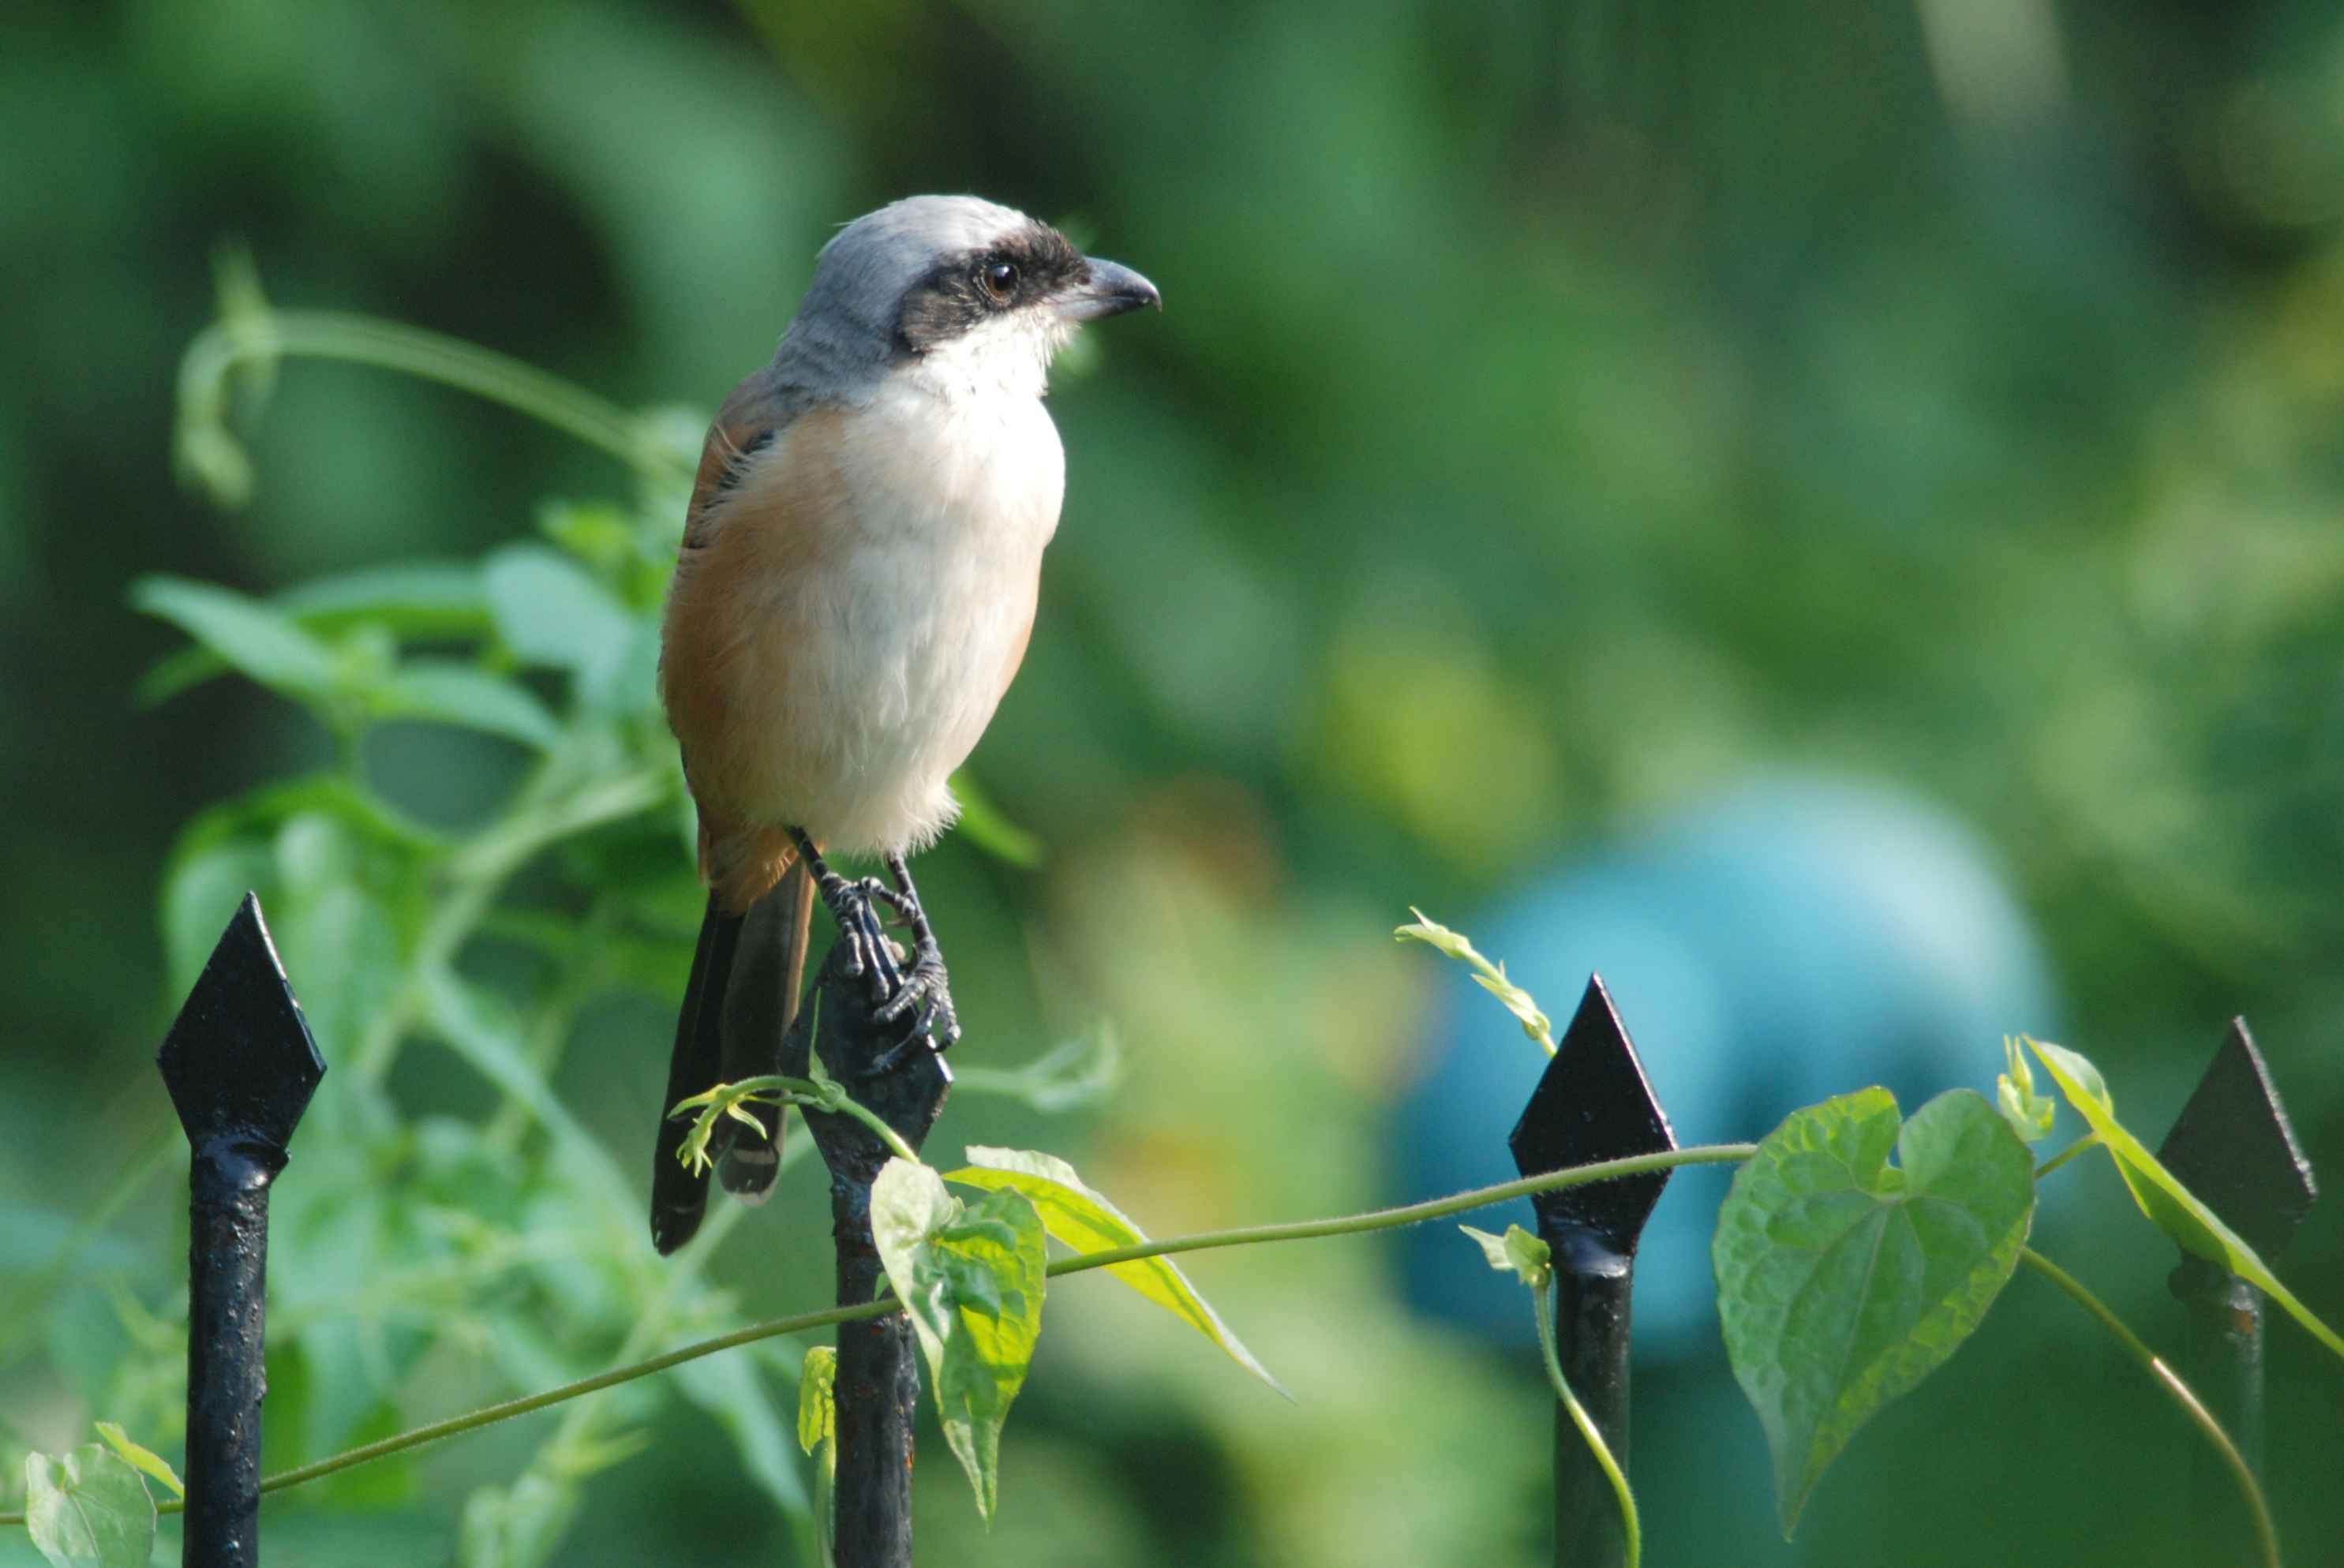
(971, 295)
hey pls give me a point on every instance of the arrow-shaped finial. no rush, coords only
(2232, 1147)
(239, 1060)
(1593, 1104)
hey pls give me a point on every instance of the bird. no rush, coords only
(856, 583)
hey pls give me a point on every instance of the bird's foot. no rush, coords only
(921, 995)
(924, 995)
(853, 904)
(870, 951)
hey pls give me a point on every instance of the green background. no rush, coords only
(1560, 414)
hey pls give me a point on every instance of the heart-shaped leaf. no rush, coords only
(2172, 1208)
(88, 1510)
(1085, 1220)
(1844, 1280)
(971, 1277)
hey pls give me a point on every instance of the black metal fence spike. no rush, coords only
(2232, 1147)
(241, 1066)
(1592, 1104)
(239, 1060)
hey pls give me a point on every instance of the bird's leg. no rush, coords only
(852, 904)
(926, 994)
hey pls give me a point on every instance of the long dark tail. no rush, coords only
(743, 991)
(759, 1006)
(680, 1195)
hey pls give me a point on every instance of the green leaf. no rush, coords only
(413, 599)
(971, 1278)
(254, 639)
(1517, 1252)
(466, 696)
(818, 1435)
(2170, 1207)
(818, 1398)
(268, 807)
(2030, 1115)
(1487, 975)
(596, 533)
(1085, 1220)
(1844, 1280)
(140, 1457)
(88, 1510)
(418, 599)
(550, 610)
(174, 673)
(342, 950)
(1437, 936)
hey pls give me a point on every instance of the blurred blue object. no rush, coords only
(1798, 937)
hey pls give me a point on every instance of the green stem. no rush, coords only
(863, 1113)
(1545, 1296)
(1376, 1220)
(578, 1422)
(505, 845)
(821, 1094)
(266, 335)
(825, 1483)
(489, 1415)
(1414, 1213)
(2090, 1140)
(2266, 1532)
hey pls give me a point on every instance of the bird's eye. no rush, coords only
(1000, 279)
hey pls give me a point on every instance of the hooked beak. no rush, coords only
(1111, 290)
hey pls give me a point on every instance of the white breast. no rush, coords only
(904, 636)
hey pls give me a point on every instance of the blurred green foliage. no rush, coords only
(1560, 411)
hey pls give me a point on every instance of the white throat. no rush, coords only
(1005, 357)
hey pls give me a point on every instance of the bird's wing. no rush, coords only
(759, 409)
(723, 1030)
(756, 512)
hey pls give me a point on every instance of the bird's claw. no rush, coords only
(923, 996)
(869, 949)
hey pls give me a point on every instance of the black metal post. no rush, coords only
(1592, 1104)
(878, 1388)
(240, 1066)
(2232, 1147)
